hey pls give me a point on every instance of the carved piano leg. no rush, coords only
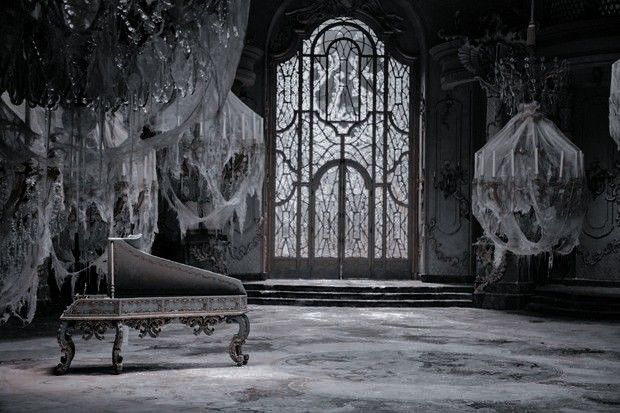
(66, 347)
(239, 339)
(117, 359)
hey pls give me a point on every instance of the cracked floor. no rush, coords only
(328, 360)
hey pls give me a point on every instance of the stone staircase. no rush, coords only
(363, 294)
(600, 302)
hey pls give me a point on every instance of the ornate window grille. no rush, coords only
(341, 202)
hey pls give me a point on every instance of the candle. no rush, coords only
(512, 162)
(481, 164)
(493, 172)
(561, 163)
(577, 158)
(536, 160)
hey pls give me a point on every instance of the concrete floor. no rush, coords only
(329, 360)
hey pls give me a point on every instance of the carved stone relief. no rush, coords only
(448, 246)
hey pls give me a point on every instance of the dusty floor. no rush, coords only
(324, 359)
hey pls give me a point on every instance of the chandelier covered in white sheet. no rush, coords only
(614, 103)
(529, 190)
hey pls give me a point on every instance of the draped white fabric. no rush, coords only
(76, 176)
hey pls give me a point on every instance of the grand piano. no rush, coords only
(145, 293)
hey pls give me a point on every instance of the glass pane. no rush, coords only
(326, 217)
(356, 215)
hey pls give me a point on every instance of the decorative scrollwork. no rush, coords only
(237, 252)
(93, 328)
(202, 324)
(486, 272)
(603, 181)
(149, 326)
(593, 258)
(234, 349)
(67, 348)
(450, 180)
(325, 9)
(152, 327)
(117, 359)
(453, 261)
(211, 253)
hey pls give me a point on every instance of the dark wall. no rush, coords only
(453, 124)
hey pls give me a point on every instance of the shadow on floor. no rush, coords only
(98, 370)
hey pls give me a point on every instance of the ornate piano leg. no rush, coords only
(66, 347)
(239, 339)
(117, 359)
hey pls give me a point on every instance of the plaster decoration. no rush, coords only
(326, 9)
(449, 181)
(454, 261)
(592, 258)
(487, 270)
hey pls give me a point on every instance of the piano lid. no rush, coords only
(138, 274)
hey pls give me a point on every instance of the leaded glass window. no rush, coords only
(342, 151)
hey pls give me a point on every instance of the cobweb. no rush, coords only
(74, 177)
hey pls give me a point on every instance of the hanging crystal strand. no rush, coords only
(179, 145)
(27, 123)
(78, 168)
(78, 187)
(72, 137)
(101, 137)
(131, 141)
(48, 119)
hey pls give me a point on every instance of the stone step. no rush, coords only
(366, 295)
(577, 301)
(336, 302)
(359, 289)
(545, 308)
(601, 295)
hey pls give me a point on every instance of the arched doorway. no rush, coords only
(342, 152)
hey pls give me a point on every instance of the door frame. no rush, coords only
(417, 83)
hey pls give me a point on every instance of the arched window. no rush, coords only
(341, 202)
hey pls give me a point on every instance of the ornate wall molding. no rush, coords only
(592, 258)
(450, 182)
(453, 261)
(298, 19)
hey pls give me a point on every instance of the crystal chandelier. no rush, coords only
(106, 54)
